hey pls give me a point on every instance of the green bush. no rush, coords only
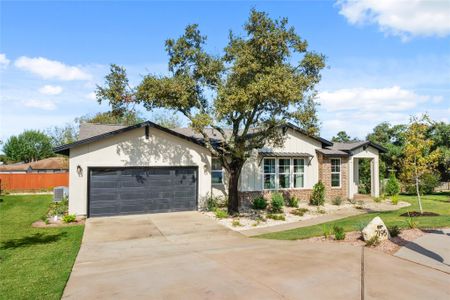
(337, 201)
(221, 213)
(318, 194)
(373, 241)
(58, 208)
(394, 230)
(377, 199)
(394, 199)
(411, 222)
(392, 185)
(299, 211)
(69, 218)
(236, 223)
(259, 203)
(214, 202)
(326, 230)
(428, 182)
(339, 233)
(292, 201)
(277, 203)
(277, 217)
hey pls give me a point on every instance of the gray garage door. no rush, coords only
(125, 191)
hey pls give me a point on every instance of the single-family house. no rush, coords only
(147, 168)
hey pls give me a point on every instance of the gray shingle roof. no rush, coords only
(328, 152)
(283, 154)
(88, 130)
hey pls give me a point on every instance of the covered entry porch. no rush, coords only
(358, 155)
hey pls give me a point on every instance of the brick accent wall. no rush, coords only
(325, 177)
(246, 198)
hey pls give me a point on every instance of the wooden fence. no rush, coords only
(33, 181)
(444, 186)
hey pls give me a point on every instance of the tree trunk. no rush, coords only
(233, 193)
(418, 195)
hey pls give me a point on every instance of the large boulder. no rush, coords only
(376, 227)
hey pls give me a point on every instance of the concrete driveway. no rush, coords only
(189, 256)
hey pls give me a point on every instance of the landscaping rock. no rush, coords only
(376, 227)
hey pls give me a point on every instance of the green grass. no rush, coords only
(35, 263)
(438, 203)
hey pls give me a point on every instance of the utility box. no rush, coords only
(60, 193)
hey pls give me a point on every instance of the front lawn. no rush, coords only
(438, 203)
(35, 263)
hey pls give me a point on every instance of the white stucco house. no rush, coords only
(147, 168)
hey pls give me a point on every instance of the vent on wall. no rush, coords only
(60, 193)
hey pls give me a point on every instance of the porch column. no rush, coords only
(350, 184)
(375, 177)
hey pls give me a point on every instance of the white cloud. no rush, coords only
(51, 69)
(400, 18)
(91, 96)
(4, 62)
(51, 90)
(389, 99)
(40, 104)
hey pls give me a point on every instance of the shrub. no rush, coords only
(320, 211)
(394, 230)
(326, 230)
(299, 211)
(359, 204)
(337, 201)
(394, 199)
(428, 182)
(318, 194)
(236, 223)
(277, 203)
(377, 199)
(221, 213)
(292, 201)
(69, 218)
(411, 222)
(373, 241)
(259, 203)
(278, 217)
(392, 185)
(339, 233)
(58, 208)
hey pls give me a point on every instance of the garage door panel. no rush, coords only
(123, 191)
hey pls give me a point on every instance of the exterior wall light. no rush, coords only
(80, 171)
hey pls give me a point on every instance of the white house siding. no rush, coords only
(133, 149)
(251, 176)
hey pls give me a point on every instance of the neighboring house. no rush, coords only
(47, 165)
(39, 175)
(147, 168)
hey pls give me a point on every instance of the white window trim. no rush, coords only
(216, 171)
(302, 173)
(277, 173)
(340, 173)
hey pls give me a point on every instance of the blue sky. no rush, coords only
(386, 60)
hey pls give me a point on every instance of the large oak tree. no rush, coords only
(261, 81)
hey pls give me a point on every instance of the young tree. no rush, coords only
(31, 145)
(263, 80)
(419, 159)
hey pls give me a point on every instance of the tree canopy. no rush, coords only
(261, 81)
(31, 145)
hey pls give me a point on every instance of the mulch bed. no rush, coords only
(418, 214)
(59, 223)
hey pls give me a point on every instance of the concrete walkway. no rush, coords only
(340, 214)
(431, 249)
(190, 256)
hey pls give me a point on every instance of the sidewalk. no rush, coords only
(432, 250)
(319, 220)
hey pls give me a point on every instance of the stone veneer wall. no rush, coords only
(325, 177)
(246, 198)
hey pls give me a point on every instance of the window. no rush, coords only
(299, 173)
(335, 172)
(269, 173)
(284, 173)
(216, 171)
